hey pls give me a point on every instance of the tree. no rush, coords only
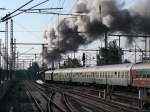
(33, 70)
(71, 63)
(83, 59)
(126, 61)
(111, 55)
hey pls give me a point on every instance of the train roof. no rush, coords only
(63, 70)
(141, 66)
(119, 67)
(49, 71)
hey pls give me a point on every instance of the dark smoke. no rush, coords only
(115, 16)
(68, 40)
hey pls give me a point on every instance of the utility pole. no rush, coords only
(14, 58)
(119, 52)
(135, 53)
(17, 60)
(119, 42)
(145, 47)
(11, 49)
(6, 49)
(149, 47)
(106, 39)
(43, 55)
(0, 62)
(35, 57)
(74, 54)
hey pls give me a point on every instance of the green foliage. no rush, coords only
(111, 55)
(33, 70)
(71, 63)
(21, 74)
(126, 61)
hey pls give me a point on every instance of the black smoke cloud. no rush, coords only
(115, 16)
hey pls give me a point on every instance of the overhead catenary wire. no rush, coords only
(8, 16)
(57, 13)
(30, 8)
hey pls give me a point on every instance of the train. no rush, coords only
(134, 75)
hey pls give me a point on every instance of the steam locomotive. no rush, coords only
(135, 75)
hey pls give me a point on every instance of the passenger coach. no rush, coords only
(141, 75)
(109, 74)
(136, 75)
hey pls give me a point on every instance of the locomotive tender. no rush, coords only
(136, 75)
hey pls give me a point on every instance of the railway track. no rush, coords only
(124, 99)
(51, 104)
(34, 100)
(114, 105)
(77, 96)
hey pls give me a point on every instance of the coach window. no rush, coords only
(64, 75)
(141, 75)
(97, 74)
(118, 74)
(144, 74)
(81, 75)
(107, 73)
(102, 74)
(122, 75)
(111, 75)
(127, 74)
(148, 74)
(89, 75)
(78, 75)
(84, 75)
(115, 74)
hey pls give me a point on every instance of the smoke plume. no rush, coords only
(98, 16)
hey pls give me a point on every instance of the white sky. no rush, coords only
(30, 27)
